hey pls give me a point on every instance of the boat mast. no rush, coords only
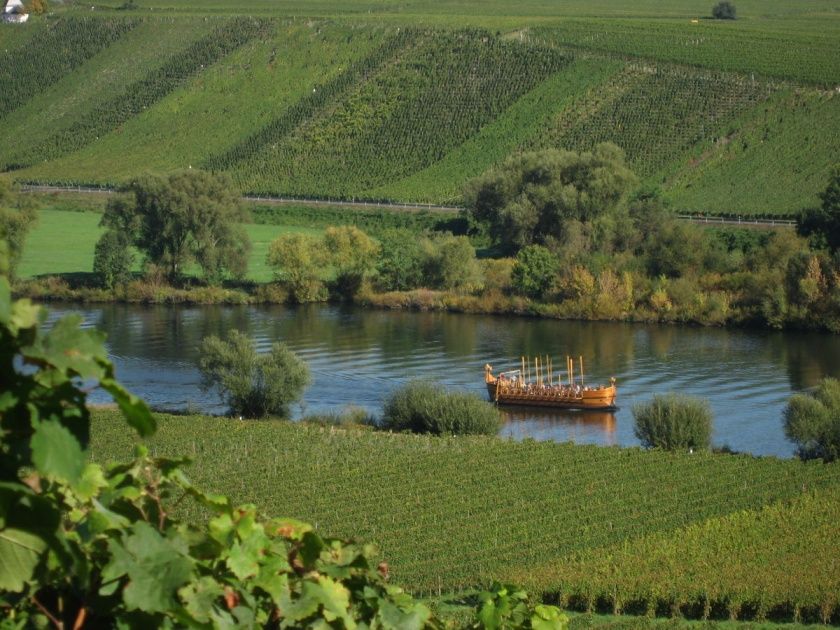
(581, 371)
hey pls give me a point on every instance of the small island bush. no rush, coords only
(812, 421)
(724, 11)
(674, 422)
(253, 385)
(426, 407)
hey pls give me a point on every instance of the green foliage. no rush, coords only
(812, 421)
(297, 260)
(673, 422)
(425, 407)
(491, 508)
(823, 224)
(113, 259)
(189, 215)
(534, 271)
(526, 200)
(352, 254)
(17, 218)
(451, 264)
(400, 266)
(53, 51)
(724, 10)
(253, 385)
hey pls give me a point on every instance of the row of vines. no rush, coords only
(51, 52)
(144, 93)
(656, 115)
(781, 562)
(450, 514)
(435, 92)
(799, 55)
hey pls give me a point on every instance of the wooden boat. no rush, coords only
(516, 387)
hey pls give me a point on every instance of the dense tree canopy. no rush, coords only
(184, 217)
(823, 224)
(528, 198)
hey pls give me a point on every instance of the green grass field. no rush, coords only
(63, 243)
(452, 513)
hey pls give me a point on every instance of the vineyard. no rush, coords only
(798, 55)
(781, 561)
(422, 95)
(452, 513)
(723, 118)
(146, 91)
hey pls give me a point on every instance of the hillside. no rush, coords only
(406, 101)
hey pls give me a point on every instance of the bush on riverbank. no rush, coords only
(812, 421)
(674, 422)
(425, 407)
(253, 385)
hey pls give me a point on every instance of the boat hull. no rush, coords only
(601, 399)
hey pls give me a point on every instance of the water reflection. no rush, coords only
(591, 427)
(358, 357)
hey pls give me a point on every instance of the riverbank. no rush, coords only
(452, 513)
(81, 288)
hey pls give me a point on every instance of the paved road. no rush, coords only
(416, 207)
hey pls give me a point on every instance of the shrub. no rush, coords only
(297, 260)
(253, 385)
(534, 271)
(425, 407)
(352, 254)
(113, 258)
(673, 422)
(812, 422)
(401, 260)
(451, 264)
(724, 10)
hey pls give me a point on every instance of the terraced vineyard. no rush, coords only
(450, 513)
(383, 102)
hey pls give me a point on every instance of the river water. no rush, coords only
(358, 356)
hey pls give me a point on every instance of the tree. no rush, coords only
(253, 385)
(401, 260)
(113, 258)
(673, 422)
(186, 216)
(724, 10)
(451, 263)
(812, 421)
(528, 197)
(17, 217)
(823, 224)
(534, 271)
(352, 254)
(297, 260)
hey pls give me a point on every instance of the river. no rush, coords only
(358, 356)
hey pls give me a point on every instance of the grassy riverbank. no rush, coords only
(452, 513)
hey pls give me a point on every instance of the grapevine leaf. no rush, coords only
(20, 552)
(200, 596)
(395, 618)
(56, 453)
(156, 568)
(71, 349)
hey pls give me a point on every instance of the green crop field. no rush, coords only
(782, 558)
(451, 513)
(405, 101)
